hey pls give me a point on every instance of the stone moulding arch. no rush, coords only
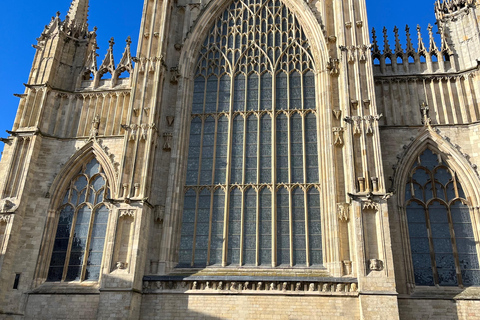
(89, 151)
(467, 176)
(429, 138)
(215, 8)
(61, 182)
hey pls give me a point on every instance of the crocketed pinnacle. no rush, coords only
(78, 12)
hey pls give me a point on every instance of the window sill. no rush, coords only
(442, 293)
(85, 287)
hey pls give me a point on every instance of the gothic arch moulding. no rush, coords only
(215, 8)
(430, 138)
(89, 151)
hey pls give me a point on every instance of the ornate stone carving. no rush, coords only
(338, 136)
(126, 213)
(333, 66)
(375, 265)
(6, 205)
(244, 287)
(167, 141)
(174, 75)
(343, 211)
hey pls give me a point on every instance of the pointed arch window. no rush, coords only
(441, 234)
(251, 195)
(81, 229)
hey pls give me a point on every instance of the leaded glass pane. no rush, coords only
(265, 232)
(211, 95)
(299, 234)
(198, 95)
(239, 93)
(314, 227)
(97, 242)
(237, 150)
(218, 213)
(295, 91)
(266, 91)
(308, 90)
(282, 149)
(188, 227)
(92, 168)
(61, 244)
(79, 243)
(208, 143)
(282, 92)
(283, 227)
(251, 150)
(221, 151)
(296, 138)
(266, 149)
(194, 151)
(202, 228)
(250, 227)
(234, 226)
(252, 92)
(224, 94)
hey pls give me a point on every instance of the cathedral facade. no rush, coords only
(256, 159)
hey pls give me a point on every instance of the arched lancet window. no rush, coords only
(82, 225)
(441, 234)
(252, 174)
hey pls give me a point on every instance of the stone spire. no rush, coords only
(78, 12)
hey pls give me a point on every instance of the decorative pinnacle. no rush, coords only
(111, 42)
(78, 12)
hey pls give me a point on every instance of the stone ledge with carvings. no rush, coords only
(252, 282)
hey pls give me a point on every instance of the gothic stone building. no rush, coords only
(256, 159)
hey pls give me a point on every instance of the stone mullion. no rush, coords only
(274, 171)
(430, 243)
(244, 173)
(290, 189)
(257, 192)
(89, 236)
(228, 169)
(454, 248)
(212, 182)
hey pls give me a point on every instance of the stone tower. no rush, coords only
(256, 158)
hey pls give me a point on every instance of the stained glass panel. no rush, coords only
(254, 62)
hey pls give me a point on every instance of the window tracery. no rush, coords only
(80, 234)
(441, 234)
(252, 173)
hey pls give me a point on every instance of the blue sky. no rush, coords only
(19, 27)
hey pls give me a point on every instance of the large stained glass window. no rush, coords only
(441, 234)
(82, 225)
(251, 195)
